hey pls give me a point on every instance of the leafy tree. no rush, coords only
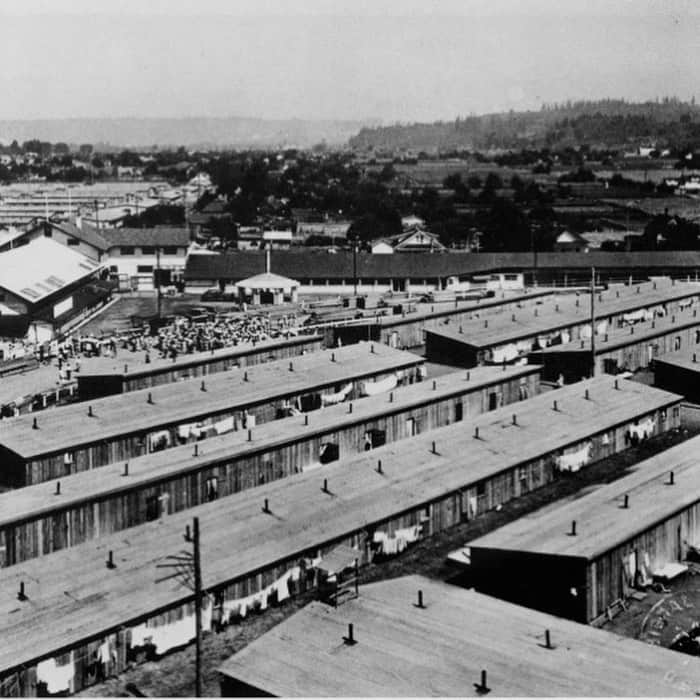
(493, 182)
(474, 182)
(506, 227)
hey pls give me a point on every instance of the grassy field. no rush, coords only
(173, 675)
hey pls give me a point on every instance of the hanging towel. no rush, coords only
(573, 461)
(330, 399)
(643, 429)
(228, 610)
(58, 679)
(207, 611)
(185, 430)
(224, 426)
(139, 635)
(504, 354)
(374, 388)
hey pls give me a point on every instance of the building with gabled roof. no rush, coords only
(411, 240)
(49, 284)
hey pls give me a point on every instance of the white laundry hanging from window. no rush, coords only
(400, 541)
(330, 399)
(57, 678)
(643, 430)
(224, 426)
(504, 354)
(185, 430)
(374, 388)
(573, 461)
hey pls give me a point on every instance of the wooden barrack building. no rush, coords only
(581, 557)
(509, 337)
(116, 428)
(680, 372)
(45, 517)
(440, 645)
(622, 349)
(265, 544)
(102, 376)
(407, 329)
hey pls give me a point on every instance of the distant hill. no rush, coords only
(606, 123)
(238, 132)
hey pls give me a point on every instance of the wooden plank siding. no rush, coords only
(659, 523)
(424, 481)
(103, 376)
(116, 428)
(35, 521)
(624, 349)
(555, 321)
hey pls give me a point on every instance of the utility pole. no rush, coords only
(158, 280)
(198, 608)
(354, 264)
(534, 254)
(188, 568)
(593, 322)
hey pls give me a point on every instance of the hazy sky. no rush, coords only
(397, 60)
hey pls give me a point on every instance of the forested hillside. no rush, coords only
(603, 123)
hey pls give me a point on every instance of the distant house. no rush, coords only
(414, 240)
(278, 239)
(129, 172)
(330, 229)
(203, 222)
(568, 242)
(249, 238)
(134, 254)
(382, 246)
(110, 217)
(77, 235)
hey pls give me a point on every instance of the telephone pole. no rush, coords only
(593, 322)
(198, 608)
(188, 568)
(157, 276)
(354, 266)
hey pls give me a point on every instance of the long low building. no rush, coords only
(49, 516)
(407, 329)
(266, 543)
(116, 428)
(442, 646)
(622, 349)
(679, 371)
(102, 376)
(506, 338)
(578, 558)
(317, 271)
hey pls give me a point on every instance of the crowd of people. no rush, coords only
(180, 337)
